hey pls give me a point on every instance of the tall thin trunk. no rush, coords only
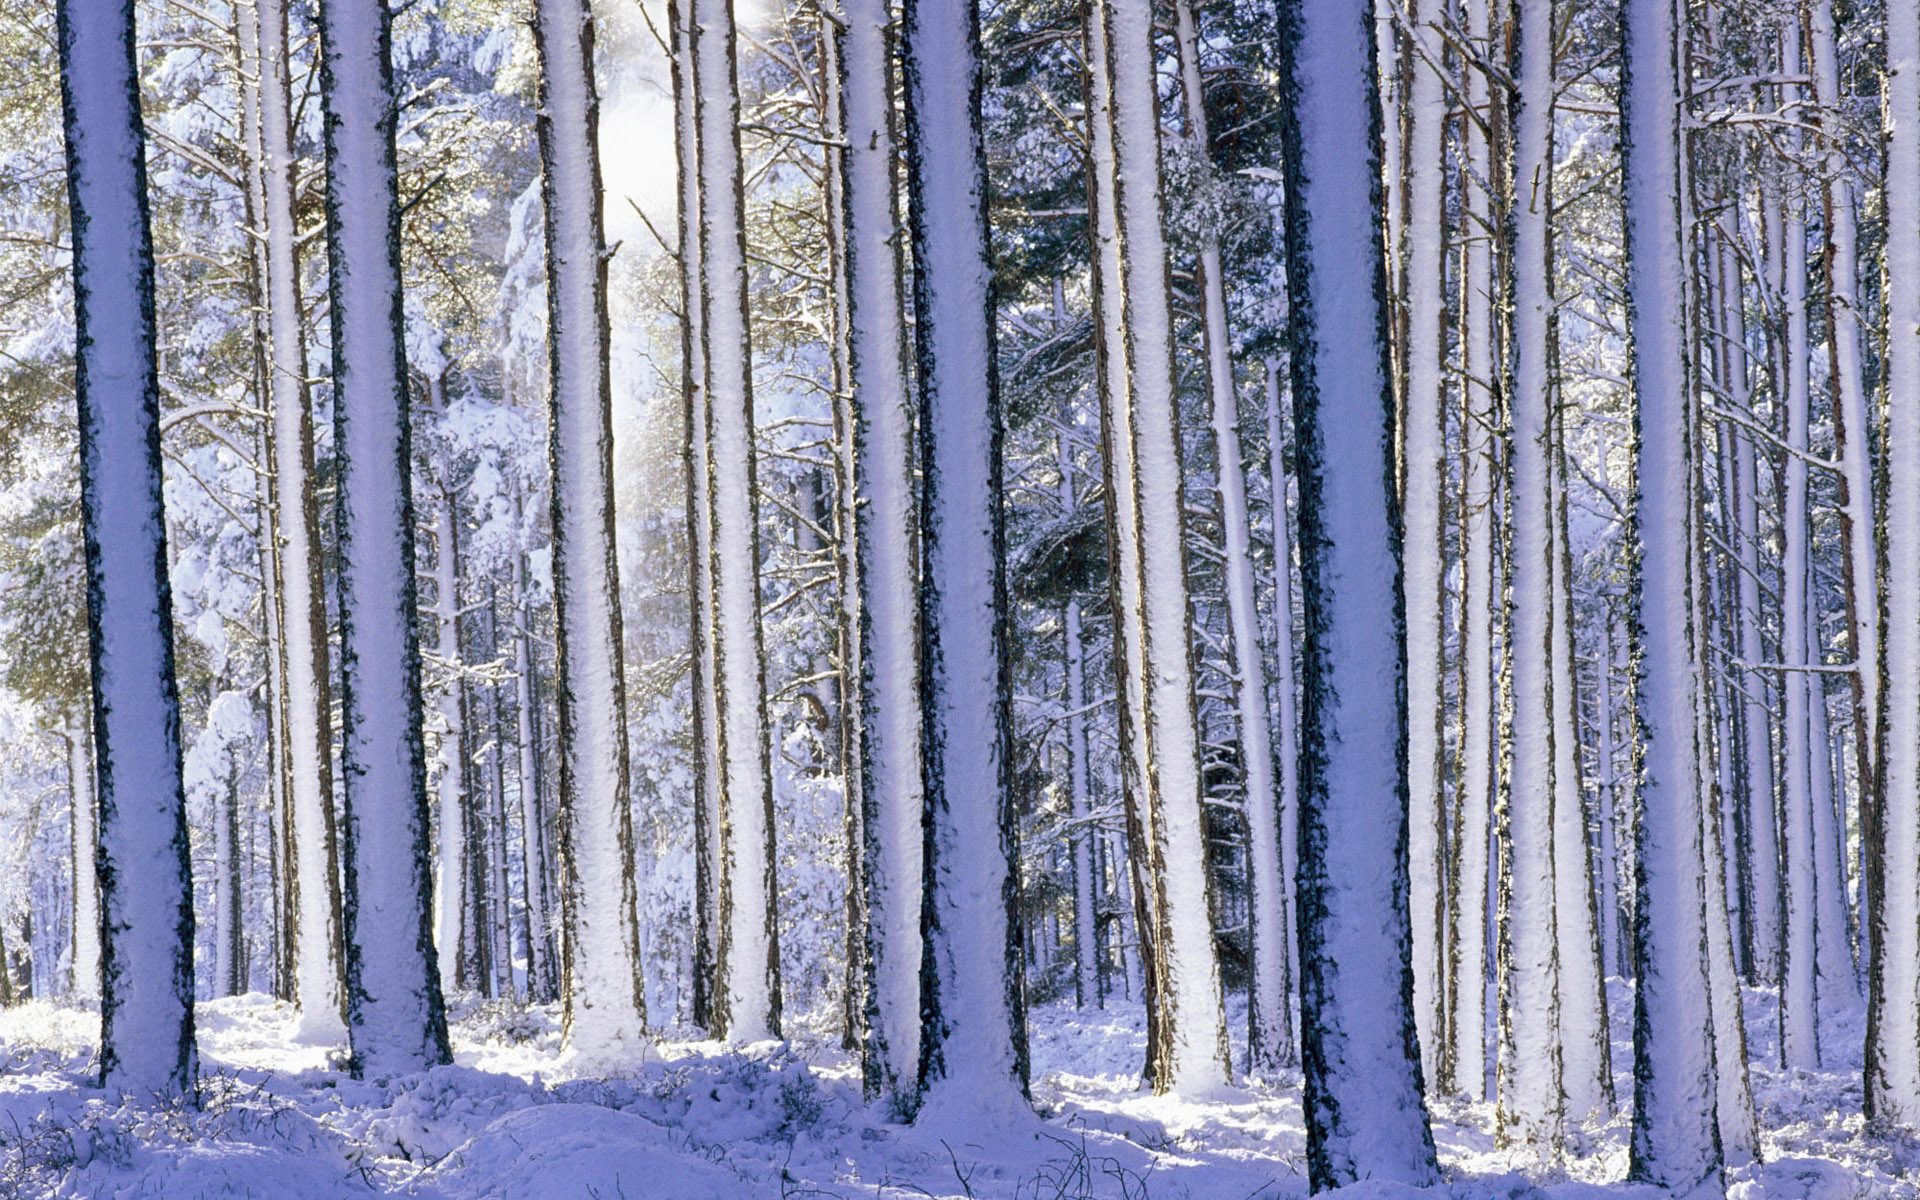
(843, 524)
(1189, 1048)
(889, 728)
(146, 879)
(296, 525)
(1762, 862)
(1893, 860)
(1464, 1064)
(1286, 701)
(1799, 1031)
(1423, 453)
(1365, 1114)
(452, 901)
(1268, 1036)
(1674, 1143)
(603, 1008)
(693, 385)
(1606, 799)
(1123, 576)
(1586, 1067)
(973, 1046)
(395, 1017)
(86, 882)
(1860, 563)
(541, 981)
(746, 991)
(1836, 985)
(1532, 1098)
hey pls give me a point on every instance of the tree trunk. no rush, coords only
(1287, 796)
(888, 729)
(603, 1009)
(695, 409)
(1269, 1037)
(746, 994)
(1423, 451)
(1532, 1097)
(146, 879)
(1365, 1114)
(395, 1018)
(973, 1046)
(1674, 1142)
(86, 883)
(452, 898)
(1586, 1067)
(1464, 1065)
(1893, 875)
(1189, 1043)
(1123, 575)
(296, 525)
(541, 981)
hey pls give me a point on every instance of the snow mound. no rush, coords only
(567, 1151)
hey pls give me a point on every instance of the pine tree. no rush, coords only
(1365, 1114)
(1675, 1143)
(1187, 1040)
(973, 1048)
(1531, 1096)
(1893, 874)
(604, 1010)
(745, 997)
(301, 618)
(146, 897)
(395, 1016)
(888, 726)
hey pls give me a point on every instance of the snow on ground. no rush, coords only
(277, 1120)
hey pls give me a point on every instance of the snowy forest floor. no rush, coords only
(509, 1120)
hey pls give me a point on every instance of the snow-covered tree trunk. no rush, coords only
(1268, 1037)
(542, 983)
(1531, 1096)
(1836, 984)
(1123, 575)
(1083, 834)
(973, 1049)
(1464, 1064)
(1674, 1143)
(229, 941)
(1605, 738)
(1733, 1112)
(1365, 1115)
(85, 812)
(1189, 1049)
(1285, 698)
(395, 1018)
(889, 727)
(146, 888)
(746, 992)
(604, 1014)
(296, 526)
(501, 923)
(1840, 266)
(1799, 1032)
(1423, 454)
(694, 408)
(843, 526)
(1586, 1067)
(1893, 876)
(1762, 861)
(451, 902)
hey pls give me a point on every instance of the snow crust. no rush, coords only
(507, 1120)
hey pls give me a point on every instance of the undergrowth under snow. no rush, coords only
(275, 1119)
